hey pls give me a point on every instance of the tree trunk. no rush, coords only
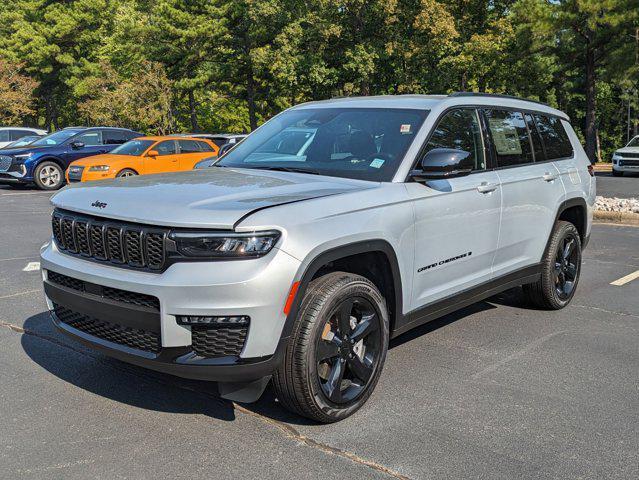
(194, 125)
(250, 95)
(591, 125)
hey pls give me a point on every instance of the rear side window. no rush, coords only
(90, 138)
(540, 155)
(460, 130)
(189, 146)
(553, 134)
(510, 137)
(115, 137)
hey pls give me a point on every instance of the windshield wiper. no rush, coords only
(287, 169)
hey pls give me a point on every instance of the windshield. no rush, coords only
(133, 147)
(56, 138)
(359, 143)
(634, 142)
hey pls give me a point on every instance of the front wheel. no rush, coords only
(560, 269)
(48, 176)
(336, 353)
(127, 172)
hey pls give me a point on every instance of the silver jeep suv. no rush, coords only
(334, 227)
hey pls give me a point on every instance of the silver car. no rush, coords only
(297, 269)
(626, 159)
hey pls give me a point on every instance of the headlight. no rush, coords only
(99, 168)
(616, 156)
(23, 156)
(213, 244)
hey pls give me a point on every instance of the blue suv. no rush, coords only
(44, 161)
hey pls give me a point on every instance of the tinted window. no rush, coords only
(554, 136)
(540, 156)
(115, 137)
(18, 134)
(510, 137)
(460, 130)
(361, 143)
(90, 138)
(4, 136)
(189, 146)
(165, 148)
(133, 147)
(219, 141)
(205, 147)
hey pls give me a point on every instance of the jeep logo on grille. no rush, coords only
(98, 204)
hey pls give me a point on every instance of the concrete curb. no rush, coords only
(627, 218)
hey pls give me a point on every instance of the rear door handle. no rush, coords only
(549, 177)
(486, 187)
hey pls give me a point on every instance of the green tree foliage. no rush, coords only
(228, 65)
(16, 93)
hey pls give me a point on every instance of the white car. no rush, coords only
(298, 269)
(626, 159)
(11, 134)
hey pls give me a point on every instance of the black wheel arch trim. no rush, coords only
(365, 246)
(565, 205)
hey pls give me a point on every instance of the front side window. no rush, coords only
(460, 130)
(510, 137)
(90, 138)
(133, 147)
(205, 147)
(166, 148)
(18, 134)
(554, 136)
(359, 143)
(56, 138)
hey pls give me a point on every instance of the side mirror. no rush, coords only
(153, 153)
(77, 145)
(444, 163)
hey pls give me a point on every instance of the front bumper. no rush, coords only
(257, 288)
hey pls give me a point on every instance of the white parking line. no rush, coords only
(626, 279)
(31, 267)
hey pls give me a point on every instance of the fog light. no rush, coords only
(228, 321)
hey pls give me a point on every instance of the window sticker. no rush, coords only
(377, 163)
(405, 128)
(505, 137)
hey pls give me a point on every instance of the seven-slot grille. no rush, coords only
(120, 243)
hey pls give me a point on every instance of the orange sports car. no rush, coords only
(143, 155)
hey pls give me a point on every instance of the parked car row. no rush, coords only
(95, 153)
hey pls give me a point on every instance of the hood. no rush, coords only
(105, 158)
(25, 149)
(620, 150)
(208, 198)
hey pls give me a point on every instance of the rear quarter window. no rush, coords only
(554, 137)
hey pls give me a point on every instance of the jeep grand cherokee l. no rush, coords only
(298, 268)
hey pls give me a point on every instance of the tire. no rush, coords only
(617, 173)
(303, 383)
(127, 172)
(560, 270)
(48, 176)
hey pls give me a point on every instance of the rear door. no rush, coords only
(456, 220)
(192, 151)
(531, 190)
(167, 159)
(93, 144)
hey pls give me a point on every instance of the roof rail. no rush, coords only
(495, 95)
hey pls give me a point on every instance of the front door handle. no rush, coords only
(486, 187)
(549, 177)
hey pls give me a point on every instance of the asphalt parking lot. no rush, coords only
(620, 187)
(494, 391)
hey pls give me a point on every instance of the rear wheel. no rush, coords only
(48, 176)
(336, 353)
(560, 269)
(127, 172)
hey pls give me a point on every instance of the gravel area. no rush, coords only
(624, 205)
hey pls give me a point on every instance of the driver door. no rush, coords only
(457, 220)
(167, 159)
